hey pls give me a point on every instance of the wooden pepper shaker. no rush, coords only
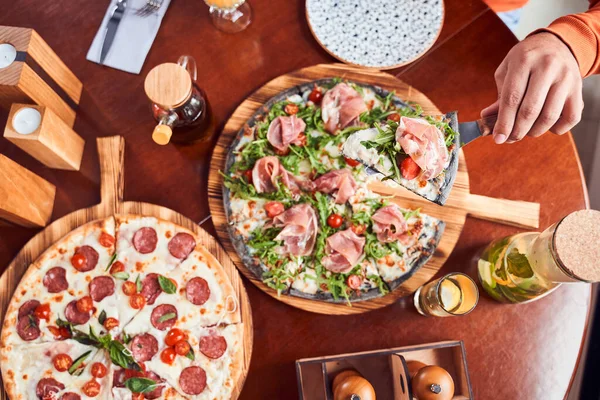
(350, 385)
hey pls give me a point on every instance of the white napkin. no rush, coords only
(133, 39)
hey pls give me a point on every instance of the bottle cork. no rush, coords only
(577, 244)
(162, 134)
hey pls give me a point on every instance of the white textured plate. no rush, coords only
(380, 34)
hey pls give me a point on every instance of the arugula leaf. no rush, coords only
(140, 385)
(381, 285)
(77, 367)
(239, 187)
(111, 261)
(167, 317)
(121, 275)
(166, 285)
(277, 276)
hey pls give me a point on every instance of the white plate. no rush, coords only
(380, 34)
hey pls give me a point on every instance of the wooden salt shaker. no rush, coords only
(350, 385)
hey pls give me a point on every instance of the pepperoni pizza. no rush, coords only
(127, 307)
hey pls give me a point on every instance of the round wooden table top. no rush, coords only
(513, 351)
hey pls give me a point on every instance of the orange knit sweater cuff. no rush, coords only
(579, 38)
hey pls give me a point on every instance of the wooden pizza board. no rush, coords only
(111, 152)
(460, 203)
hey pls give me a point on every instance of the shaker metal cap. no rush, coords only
(168, 85)
(577, 244)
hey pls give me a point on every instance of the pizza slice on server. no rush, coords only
(65, 288)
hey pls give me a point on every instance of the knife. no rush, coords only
(111, 28)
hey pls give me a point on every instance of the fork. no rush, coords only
(151, 7)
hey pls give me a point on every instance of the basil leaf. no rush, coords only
(191, 354)
(167, 317)
(112, 260)
(120, 356)
(138, 283)
(102, 317)
(64, 324)
(140, 385)
(166, 285)
(121, 275)
(77, 367)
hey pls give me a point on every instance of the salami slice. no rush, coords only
(48, 387)
(144, 347)
(213, 346)
(197, 291)
(70, 396)
(119, 378)
(91, 257)
(181, 245)
(55, 280)
(75, 316)
(101, 287)
(156, 393)
(192, 380)
(162, 316)
(145, 240)
(27, 308)
(151, 288)
(28, 328)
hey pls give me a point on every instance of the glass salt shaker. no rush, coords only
(179, 105)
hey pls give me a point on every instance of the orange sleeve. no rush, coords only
(581, 32)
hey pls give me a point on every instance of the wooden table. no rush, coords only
(514, 351)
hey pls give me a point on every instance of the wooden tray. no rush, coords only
(460, 203)
(111, 151)
(315, 375)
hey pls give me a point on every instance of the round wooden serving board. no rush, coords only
(111, 151)
(460, 203)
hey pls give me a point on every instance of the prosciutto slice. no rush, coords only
(424, 143)
(284, 131)
(299, 232)
(344, 249)
(268, 170)
(389, 224)
(341, 107)
(340, 180)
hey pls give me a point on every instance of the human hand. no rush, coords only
(539, 89)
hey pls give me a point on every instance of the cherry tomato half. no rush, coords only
(62, 362)
(168, 355)
(316, 95)
(85, 304)
(117, 266)
(111, 323)
(248, 175)
(129, 288)
(394, 117)
(274, 208)
(99, 370)
(137, 301)
(182, 348)
(91, 389)
(78, 261)
(174, 336)
(351, 162)
(291, 109)
(354, 282)
(43, 312)
(301, 140)
(335, 221)
(409, 169)
(106, 240)
(358, 229)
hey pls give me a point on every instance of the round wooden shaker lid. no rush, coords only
(168, 85)
(577, 244)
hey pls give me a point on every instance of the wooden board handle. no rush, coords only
(111, 152)
(521, 214)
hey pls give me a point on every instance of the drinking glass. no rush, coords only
(230, 16)
(453, 294)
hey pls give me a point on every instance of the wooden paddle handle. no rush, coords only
(522, 214)
(111, 153)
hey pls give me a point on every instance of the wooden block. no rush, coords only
(25, 198)
(29, 41)
(50, 141)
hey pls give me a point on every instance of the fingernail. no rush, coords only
(500, 138)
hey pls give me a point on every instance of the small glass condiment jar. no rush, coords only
(178, 104)
(528, 266)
